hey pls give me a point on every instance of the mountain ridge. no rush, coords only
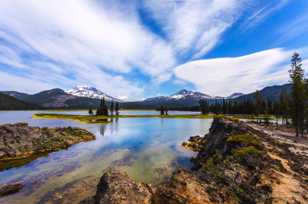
(8, 102)
(58, 98)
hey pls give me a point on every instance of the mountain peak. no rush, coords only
(184, 93)
(90, 92)
(235, 95)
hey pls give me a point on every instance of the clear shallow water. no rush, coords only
(147, 148)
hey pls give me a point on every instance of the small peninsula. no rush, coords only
(21, 143)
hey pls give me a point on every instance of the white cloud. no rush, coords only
(15, 83)
(259, 15)
(80, 38)
(223, 76)
(102, 43)
(195, 26)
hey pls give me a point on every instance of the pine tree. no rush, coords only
(259, 104)
(298, 94)
(162, 111)
(166, 111)
(90, 111)
(99, 109)
(204, 107)
(224, 106)
(102, 109)
(111, 108)
(284, 107)
(276, 111)
(306, 105)
(117, 108)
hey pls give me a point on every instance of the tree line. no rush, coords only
(104, 110)
(291, 107)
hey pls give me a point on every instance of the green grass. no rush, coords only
(104, 119)
(244, 151)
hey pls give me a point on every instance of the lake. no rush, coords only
(148, 149)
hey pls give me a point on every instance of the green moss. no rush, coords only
(246, 151)
(219, 116)
(245, 139)
(233, 119)
(213, 165)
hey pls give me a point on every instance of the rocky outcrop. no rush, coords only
(115, 187)
(236, 163)
(20, 143)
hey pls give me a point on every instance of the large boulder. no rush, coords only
(183, 187)
(115, 187)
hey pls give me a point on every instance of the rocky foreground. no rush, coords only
(20, 143)
(236, 163)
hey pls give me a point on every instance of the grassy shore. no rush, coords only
(93, 119)
(106, 119)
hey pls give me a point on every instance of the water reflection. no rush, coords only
(144, 147)
(114, 126)
(102, 129)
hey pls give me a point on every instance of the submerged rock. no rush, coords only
(20, 143)
(73, 192)
(8, 189)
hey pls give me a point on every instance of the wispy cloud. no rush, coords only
(103, 43)
(260, 14)
(223, 76)
(195, 26)
(82, 38)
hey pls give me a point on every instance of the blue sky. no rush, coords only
(136, 49)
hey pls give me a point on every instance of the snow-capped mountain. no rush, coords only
(90, 92)
(235, 95)
(180, 98)
(182, 94)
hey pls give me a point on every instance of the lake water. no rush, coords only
(148, 149)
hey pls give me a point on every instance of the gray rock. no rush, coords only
(115, 187)
(8, 189)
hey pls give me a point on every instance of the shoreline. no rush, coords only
(236, 162)
(21, 144)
